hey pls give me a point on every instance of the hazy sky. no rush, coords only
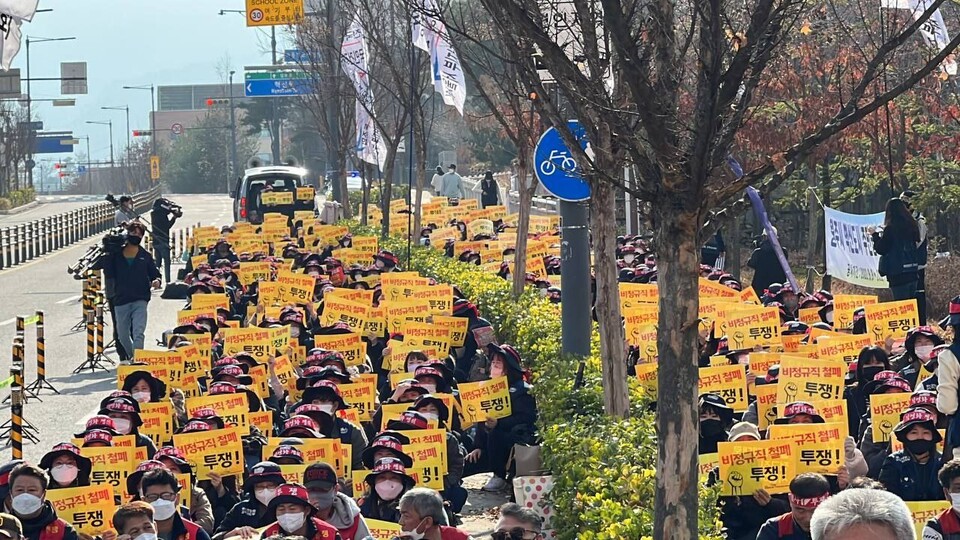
(133, 42)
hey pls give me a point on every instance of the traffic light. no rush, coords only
(217, 102)
(139, 133)
(57, 165)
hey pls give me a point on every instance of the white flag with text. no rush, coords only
(10, 46)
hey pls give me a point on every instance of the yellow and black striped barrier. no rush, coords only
(36, 386)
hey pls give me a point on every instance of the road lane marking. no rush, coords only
(70, 299)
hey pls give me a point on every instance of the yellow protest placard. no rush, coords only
(188, 316)
(924, 511)
(398, 312)
(440, 297)
(766, 395)
(293, 474)
(365, 244)
(427, 336)
(362, 396)
(645, 339)
(218, 451)
(885, 412)
(194, 361)
(708, 462)
(157, 421)
(254, 341)
(305, 194)
(729, 382)
(844, 349)
(427, 465)
(382, 530)
(276, 198)
(353, 314)
(295, 288)
(110, 466)
(314, 450)
(749, 296)
(89, 509)
(647, 374)
(485, 399)
(802, 379)
(633, 294)
(478, 227)
(834, 411)
(457, 326)
(809, 315)
(250, 272)
(746, 467)
(209, 301)
(232, 408)
(845, 304)
(186, 490)
(749, 327)
(156, 362)
(891, 320)
(204, 343)
(351, 346)
(401, 288)
(819, 447)
(713, 289)
(262, 419)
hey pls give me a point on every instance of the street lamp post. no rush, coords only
(233, 136)
(110, 124)
(29, 106)
(153, 113)
(125, 108)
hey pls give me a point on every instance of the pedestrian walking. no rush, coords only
(489, 191)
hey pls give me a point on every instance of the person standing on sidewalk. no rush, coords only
(489, 191)
(452, 185)
(907, 197)
(163, 217)
(437, 181)
(133, 272)
(126, 212)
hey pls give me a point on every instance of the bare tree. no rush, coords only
(666, 87)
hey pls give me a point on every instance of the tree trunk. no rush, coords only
(813, 221)
(733, 264)
(365, 189)
(675, 503)
(419, 169)
(523, 223)
(616, 400)
(386, 190)
(342, 181)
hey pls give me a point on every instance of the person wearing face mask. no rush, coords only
(422, 517)
(946, 526)
(715, 418)
(201, 510)
(332, 506)
(295, 516)
(918, 346)
(433, 408)
(870, 362)
(133, 521)
(159, 488)
(125, 413)
(327, 395)
(134, 273)
(144, 387)
(66, 467)
(388, 481)
(911, 473)
(251, 512)
(26, 500)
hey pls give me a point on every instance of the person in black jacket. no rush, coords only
(133, 272)
(898, 245)
(251, 512)
(712, 250)
(27, 500)
(496, 437)
(911, 473)
(766, 266)
(163, 216)
(489, 191)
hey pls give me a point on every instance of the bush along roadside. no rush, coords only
(603, 467)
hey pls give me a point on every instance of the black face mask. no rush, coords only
(869, 372)
(919, 446)
(710, 428)
(134, 240)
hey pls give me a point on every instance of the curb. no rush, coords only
(20, 209)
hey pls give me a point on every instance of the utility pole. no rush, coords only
(234, 171)
(31, 134)
(275, 121)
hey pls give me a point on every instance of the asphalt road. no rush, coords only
(43, 284)
(50, 205)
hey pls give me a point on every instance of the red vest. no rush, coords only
(191, 528)
(325, 531)
(351, 532)
(54, 531)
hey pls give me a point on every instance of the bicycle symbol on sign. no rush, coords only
(567, 164)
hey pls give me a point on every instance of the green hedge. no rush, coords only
(603, 468)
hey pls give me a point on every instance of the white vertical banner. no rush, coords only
(431, 35)
(21, 9)
(370, 146)
(850, 254)
(10, 45)
(934, 30)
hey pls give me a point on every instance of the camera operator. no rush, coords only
(163, 216)
(125, 212)
(133, 273)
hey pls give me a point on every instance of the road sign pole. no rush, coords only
(576, 308)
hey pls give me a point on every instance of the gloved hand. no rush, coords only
(849, 449)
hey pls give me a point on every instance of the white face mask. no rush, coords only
(64, 473)
(923, 352)
(411, 367)
(389, 490)
(629, 259)
(495, 372)
(955, 501)
(431, 388)
(291, 522)
(122, 425)
(146, 536)
(26, 504)
(142, 397)
(830, 316)
(430, 415)
(414, 535)
(265, 496)
(163, 510)
(326, 407)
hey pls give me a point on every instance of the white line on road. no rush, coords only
(8, 321)
(68, 300)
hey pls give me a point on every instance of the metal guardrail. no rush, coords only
(26, 241)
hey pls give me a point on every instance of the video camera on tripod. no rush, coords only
(168, 206)
(111, 244)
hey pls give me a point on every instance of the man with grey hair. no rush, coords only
(422, 517)
(518, 523)
(863, 514)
